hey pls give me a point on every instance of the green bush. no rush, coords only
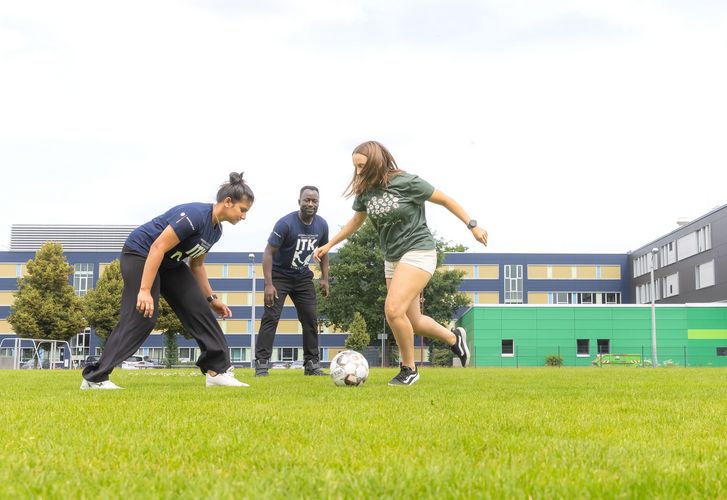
(553, 360)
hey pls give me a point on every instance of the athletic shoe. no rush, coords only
(105, 385)
(460, 348)
(261, 367)
(406, 376)
(226, 379)
(313, 367)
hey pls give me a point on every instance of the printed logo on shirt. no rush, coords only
(183, 216)
(382, 205)
(197, 250)
(304, 248)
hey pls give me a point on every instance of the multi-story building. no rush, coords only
(691, 266)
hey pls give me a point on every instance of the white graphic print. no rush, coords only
(382, 205)
(197, 250)
(304, 248)
(184, 216)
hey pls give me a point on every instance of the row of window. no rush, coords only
(668, 286)
(583, 347)
(691, 244)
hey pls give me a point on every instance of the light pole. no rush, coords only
(251, 257)
(654, 360)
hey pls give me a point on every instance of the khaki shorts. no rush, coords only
(426, 260)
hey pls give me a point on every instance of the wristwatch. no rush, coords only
(211, 298)
(472, 224)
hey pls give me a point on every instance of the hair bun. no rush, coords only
(236, 178)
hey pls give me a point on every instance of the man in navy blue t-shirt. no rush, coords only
(285, 268)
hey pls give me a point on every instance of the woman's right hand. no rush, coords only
(321, 251)
(145, 303)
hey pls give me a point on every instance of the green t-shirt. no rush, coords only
(397, 213)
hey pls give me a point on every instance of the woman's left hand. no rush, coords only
(480, 234)
(221, 308)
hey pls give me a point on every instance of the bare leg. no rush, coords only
(402, 311)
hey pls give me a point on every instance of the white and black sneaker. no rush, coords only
(460, 348)
(261, 367)
(105, 385)
(406, 376)
(226, 379)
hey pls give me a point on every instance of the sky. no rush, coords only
(561, 126)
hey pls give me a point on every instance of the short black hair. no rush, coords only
(312, 188)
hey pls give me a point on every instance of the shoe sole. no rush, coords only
(463, 336)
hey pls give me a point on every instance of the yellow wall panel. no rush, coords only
(7, 298)
(258, 271)
(537, 272)
(238, 271)
(488, 298)
(586, 272)
(468, 270)
(610, 272)
(8, 270)
(214, 270)
(537, 297)
(288, 326)
(5, 327)
(562, 272)
(238, 298)
(488, 272)
(236, 326)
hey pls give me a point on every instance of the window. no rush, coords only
(704, 275)
(507, 347)
(586, 298)
(604, 346)
(187, 355)
(80, 344)
(287, 354)
(582, 347)
(237, 354)
(722, 351)
(561, 298)
(513, 284)
(667, 255)
(704, 238)
(82, 278)
(613, 298)
(670, 285)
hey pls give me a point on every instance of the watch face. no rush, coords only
(472, 224)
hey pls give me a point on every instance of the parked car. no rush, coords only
(297, 365)
(89, 361)
(279, 365)
(139, 363)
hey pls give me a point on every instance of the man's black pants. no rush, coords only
(303, 294)
(181, 290)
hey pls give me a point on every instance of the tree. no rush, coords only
(170, 326)
(46, 306)
(359, 337)
(101, 305)
(358, 284)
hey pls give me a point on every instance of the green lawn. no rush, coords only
(514, 433)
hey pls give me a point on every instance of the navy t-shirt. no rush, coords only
(192, 223)
(295, 242)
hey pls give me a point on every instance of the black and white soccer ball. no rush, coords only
(349, 368)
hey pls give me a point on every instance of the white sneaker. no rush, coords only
(226, 379)
(106, 384)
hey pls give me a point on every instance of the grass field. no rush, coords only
(475, 433)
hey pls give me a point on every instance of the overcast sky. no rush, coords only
(561, 126)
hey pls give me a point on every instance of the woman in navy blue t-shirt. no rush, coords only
(153, 262)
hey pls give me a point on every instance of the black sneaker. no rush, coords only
(460, 348)
(261, 367)
(406, 376)
(313, 368)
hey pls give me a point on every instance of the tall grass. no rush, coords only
(474, 433)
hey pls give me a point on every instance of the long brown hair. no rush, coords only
(379, 168)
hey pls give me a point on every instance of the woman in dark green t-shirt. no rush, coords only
(393, 201)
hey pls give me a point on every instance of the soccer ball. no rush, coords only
(349, 368)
